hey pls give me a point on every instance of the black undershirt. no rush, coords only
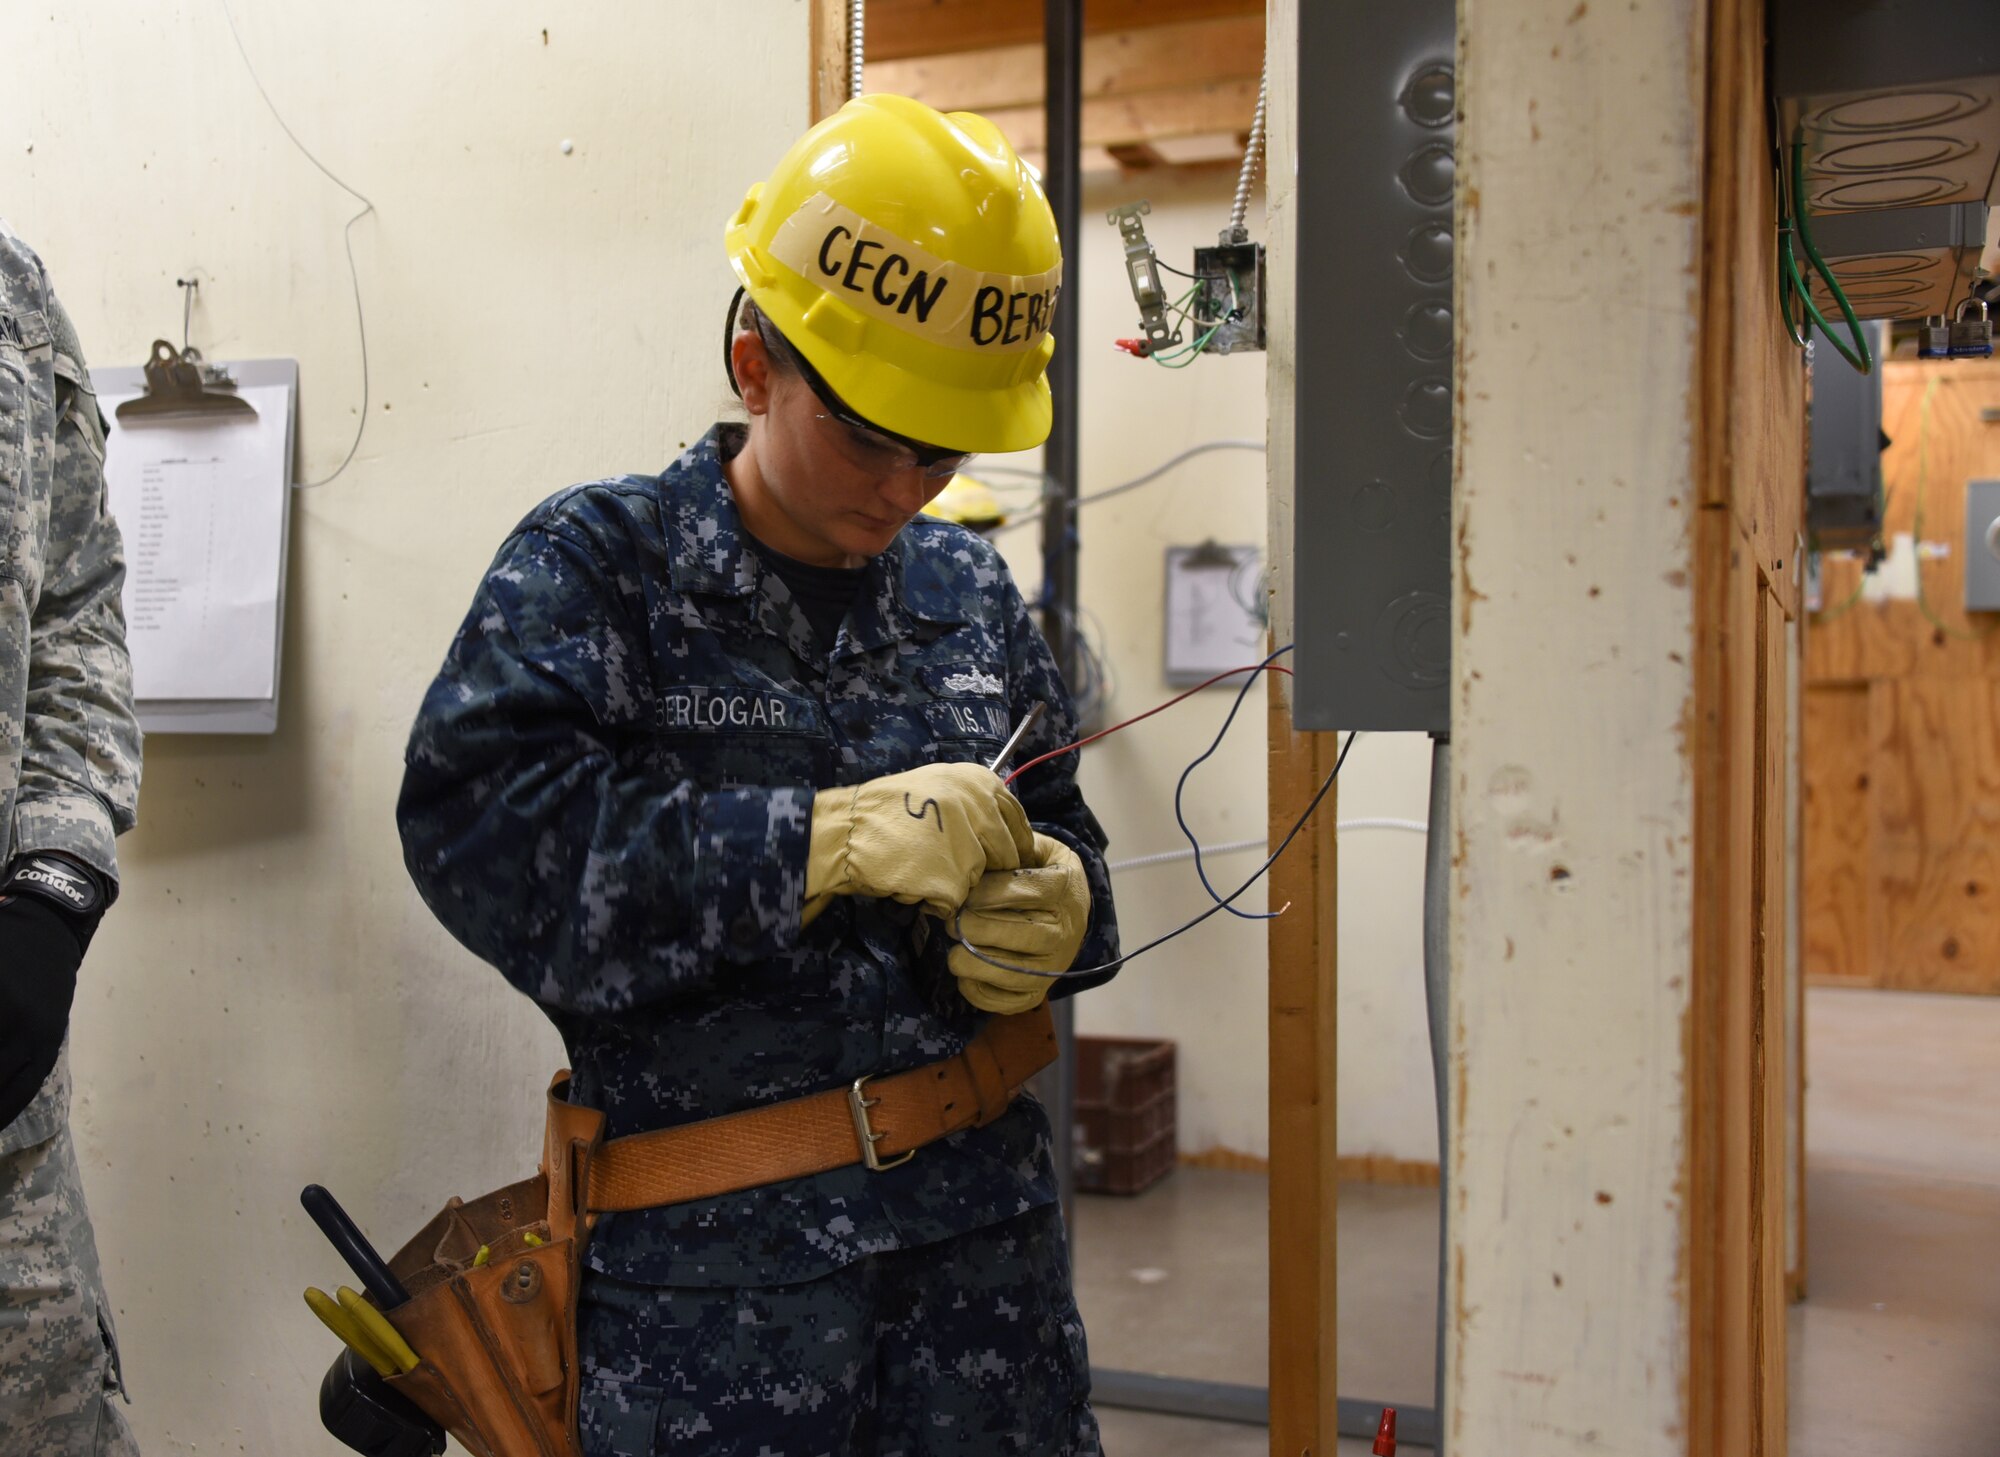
(823, 593)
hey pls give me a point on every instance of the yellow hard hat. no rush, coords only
(969, 502)
(911, 257)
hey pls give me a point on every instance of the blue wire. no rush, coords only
(1249, 681)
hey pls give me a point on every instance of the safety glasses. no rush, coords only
(868, 447)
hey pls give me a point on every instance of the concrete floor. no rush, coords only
(1174, 1282)
(1897, 1348)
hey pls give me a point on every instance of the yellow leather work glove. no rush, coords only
(922, 837)
(1034, 917)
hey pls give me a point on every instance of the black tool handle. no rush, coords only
(346, 1237)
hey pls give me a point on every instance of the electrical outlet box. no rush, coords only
(1982, 546)
(1232, 290)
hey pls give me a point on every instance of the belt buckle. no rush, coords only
(858, 1104)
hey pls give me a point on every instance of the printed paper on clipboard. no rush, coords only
(1213, 620)
(202, 504)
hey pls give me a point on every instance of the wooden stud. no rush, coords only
(1747, 584)
(1304, 1331)
(829, 57)
(1304, 1157)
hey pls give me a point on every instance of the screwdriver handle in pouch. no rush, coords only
(346, 1237)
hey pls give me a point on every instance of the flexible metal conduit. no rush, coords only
(856, 44)
(1253, 153)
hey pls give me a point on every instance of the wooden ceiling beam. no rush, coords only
(1116, 63)
(900, 29)
(1134, 156)
(1118, 121)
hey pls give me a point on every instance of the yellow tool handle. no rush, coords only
(351, 1335)
(378, 1328)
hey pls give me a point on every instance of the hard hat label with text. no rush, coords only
(892, 279)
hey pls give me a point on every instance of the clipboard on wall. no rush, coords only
(1211, 621)
(202, 495)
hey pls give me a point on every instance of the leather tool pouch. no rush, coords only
(496, 1341)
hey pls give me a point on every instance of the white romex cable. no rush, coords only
(1232, 847)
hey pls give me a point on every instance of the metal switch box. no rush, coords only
(1982, 546)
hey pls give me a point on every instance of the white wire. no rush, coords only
(1159, 470)
(347, 237)
(1233, 847)
(1123, 486)
(1167, 857)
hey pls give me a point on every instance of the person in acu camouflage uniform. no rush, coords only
(666, 784)
(69, 782)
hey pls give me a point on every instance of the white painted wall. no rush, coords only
(1580, 159)
(270, 1003)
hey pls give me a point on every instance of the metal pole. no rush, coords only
(1437, 1002)
(1062, 32)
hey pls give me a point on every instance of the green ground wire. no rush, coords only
(1917, 522)
(1785, 266)
(1181, 359)
(1800, 221)
(1864, 361)
(1828, 614)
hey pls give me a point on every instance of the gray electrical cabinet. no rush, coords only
(1843, 453)
(1372, 517)
(1982, 546)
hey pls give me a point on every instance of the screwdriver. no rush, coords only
(346, 1237)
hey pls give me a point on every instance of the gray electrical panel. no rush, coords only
(1372, 518)
(1982, 546)
(1843, 453)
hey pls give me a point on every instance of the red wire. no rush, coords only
(1137, 718)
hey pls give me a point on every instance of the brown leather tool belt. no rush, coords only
(493, 1282)
(876, 1121)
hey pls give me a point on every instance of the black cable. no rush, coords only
(1157, 941)
(1249, 681)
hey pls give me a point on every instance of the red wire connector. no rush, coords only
(1137, 348)
(1385, 1434)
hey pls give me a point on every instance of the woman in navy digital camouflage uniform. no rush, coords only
(703, 775)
